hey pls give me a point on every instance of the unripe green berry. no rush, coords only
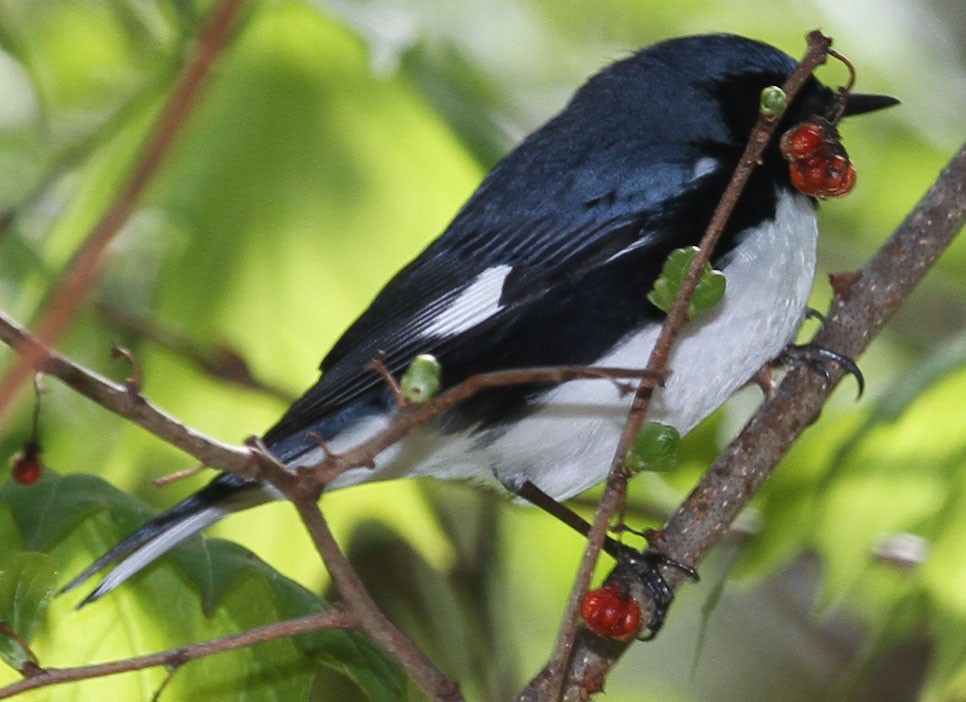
(655, 448)
(773, 102)
(421, 381)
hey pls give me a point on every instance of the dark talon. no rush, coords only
(632, 565)
(811, 356)
(645, 568)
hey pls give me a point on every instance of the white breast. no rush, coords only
(566, 446)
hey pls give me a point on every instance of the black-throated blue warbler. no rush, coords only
(549, 263)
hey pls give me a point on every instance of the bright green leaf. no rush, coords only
(26, 586)
(65, 516)
(707, 294)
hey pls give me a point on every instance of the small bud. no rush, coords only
(421, 381)
(655, 448)
(773, 102)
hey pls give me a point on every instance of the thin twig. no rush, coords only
(131, 405)
(616, 484)
(335, 618)
(417, 415)
(219, 360)
(126, 403)
(371, 619)
(62, 304)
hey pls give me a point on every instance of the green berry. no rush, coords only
(773, 102)
(421, 381)
(655, 448)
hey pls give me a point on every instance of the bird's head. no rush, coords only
(704, 91)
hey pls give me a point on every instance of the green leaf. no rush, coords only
(26, 586)
(710, 290)
(707, 294)
(75, 518)
(47, 511)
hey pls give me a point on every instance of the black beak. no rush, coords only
(860, 103)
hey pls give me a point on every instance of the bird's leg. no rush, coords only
(811, 356)
(538, 498)
(644, 566)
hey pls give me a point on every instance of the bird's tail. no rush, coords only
(222, 496)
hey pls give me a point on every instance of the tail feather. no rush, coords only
(224, 495)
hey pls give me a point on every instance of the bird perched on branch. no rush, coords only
(550, 263)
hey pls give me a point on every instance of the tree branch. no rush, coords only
(335, 618)
(413, 415)
(551, 681)
(304, 487)
(84, 268)
(125, 402)
(371, 619)
(858, 313)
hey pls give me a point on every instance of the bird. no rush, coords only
(549, 263)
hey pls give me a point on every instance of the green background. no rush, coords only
(334, 140)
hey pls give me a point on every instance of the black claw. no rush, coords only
(813, 356)
(812, 313)
(645, 568)
(632, 566)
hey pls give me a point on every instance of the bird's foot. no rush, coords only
(815, 358)
(644, 567)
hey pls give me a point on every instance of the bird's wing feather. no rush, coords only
(474, 280)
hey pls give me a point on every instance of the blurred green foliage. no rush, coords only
(217, 586)
(334, 141)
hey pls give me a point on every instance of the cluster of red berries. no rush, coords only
(817, 161)
(610, 611)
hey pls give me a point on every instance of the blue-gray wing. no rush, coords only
(506, 283)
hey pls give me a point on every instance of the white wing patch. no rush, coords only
(476, 304)
(638, 243)
(703, 166)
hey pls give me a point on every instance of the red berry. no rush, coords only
(26, 465)
(818, 164)
(821, 177)
(610, 611)
(840, 177)
(802, 141)
(808, 175)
